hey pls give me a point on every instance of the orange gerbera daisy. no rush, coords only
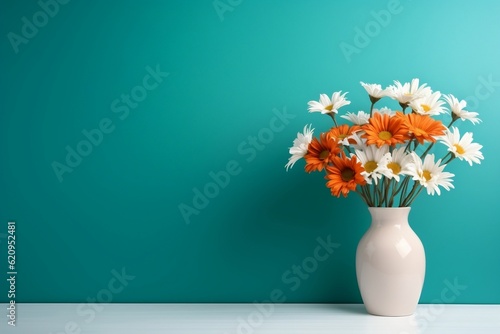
(344, 175)
(422, 127)
(341, 132)
(385, 130)
(320, 152)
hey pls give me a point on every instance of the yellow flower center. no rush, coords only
(342, 136)
(427, 175)
(370, 166)
(460, 149)
(329, 108)
(426, 107)
(324, 154)
(395, 167)
(347, 175)
(385, 135)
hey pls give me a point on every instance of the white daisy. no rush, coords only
(430, 174)
(327, 106)
(375, 91)
(458, 111)
(374, 161)
(360, 118)
(359, 142)
(385, 111)
(407, 92)
(428, 105)
(300, 145)
(463, 148)
(397, 163)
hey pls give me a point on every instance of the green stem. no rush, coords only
(365, 191)
(410, 201)
(412, 192)
(426, 151)
(408, 145)
(394, 192)
(380, 190)
(416, 143)
(452, 121)
(363, 196)
(375, 194)
(403, 189)
(385, 189)
(332, 115)
(452, 156)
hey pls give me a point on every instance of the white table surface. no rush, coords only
(246, 319)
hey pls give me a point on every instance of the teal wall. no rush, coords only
(178, 91)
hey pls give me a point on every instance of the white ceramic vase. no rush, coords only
(390, 264)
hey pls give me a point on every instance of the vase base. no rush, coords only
(389, 314)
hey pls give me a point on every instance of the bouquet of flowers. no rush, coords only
(385, 155)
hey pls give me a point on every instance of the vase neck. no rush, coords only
(389, 216)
